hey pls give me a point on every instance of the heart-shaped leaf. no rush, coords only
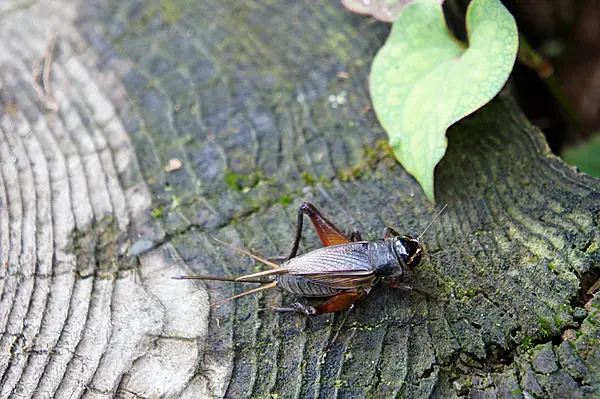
(423, 79)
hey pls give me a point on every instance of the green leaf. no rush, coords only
(423, 80)
(586, 156)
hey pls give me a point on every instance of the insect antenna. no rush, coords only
(433, 220)
(250, 278)
(250, 254)
(262, 287)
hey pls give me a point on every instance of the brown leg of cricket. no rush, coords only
(336, 303)
(389, 232)
(328, 233)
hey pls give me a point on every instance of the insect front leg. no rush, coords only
(336, 303)
(355, 236)
(410, 288)
(328, 232)
(389, 232)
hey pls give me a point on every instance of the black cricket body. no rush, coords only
(357, 265)
(343, 271)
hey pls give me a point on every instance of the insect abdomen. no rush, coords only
(304, 287)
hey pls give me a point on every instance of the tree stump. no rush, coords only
(133, 132)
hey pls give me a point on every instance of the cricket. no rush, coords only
(343, 271)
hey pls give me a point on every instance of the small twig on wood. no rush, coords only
(43, 88)
(48, 64)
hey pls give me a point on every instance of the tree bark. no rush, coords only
(153, 126)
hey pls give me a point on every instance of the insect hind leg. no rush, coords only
(328, 232)
(336, 303)
(307, 310)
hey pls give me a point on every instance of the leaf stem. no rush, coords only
(534, 60)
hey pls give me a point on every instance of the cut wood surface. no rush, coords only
(135, 131)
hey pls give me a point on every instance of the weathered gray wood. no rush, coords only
(248, 96)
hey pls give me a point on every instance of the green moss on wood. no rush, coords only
(246, 182)
(592, 248)
(308, 179)
(527, 343)
(171, 11)
(285, 200)
(372, 156)
(97, 250)
(158, 212)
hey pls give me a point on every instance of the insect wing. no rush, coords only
(342, 266)
(343, 282)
